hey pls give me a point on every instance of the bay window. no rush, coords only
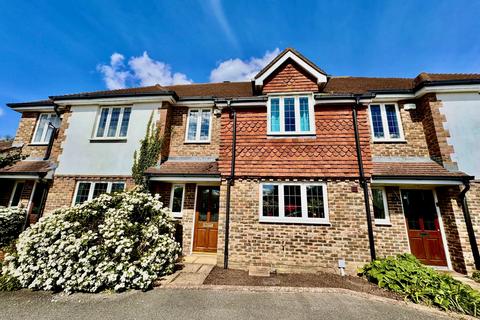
(385, 122)
(293, 203)
(87, 191)
(290, 115)
(113, 123)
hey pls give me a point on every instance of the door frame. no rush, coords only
(203, 184)
(440, 223)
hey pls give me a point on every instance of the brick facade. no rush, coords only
(290, 78)
(24, 135)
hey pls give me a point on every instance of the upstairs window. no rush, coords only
(293, 203)
(113, 122)
(87, 191)
(198, 125)
(43, 130)
(291, 115)
(385, 122)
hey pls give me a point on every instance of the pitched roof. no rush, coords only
(414, 169)
(347, 85)
(38, 103)
(138, 91)
(186, 168)
(218, 90)
(28, 167)
(434, 77)
(6, 145)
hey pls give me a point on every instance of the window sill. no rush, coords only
(197, 142)
(402, 141)
(295, 221)
(383, 223)
(38, 144)
(108, 140)
(177, 216)
(291, 134)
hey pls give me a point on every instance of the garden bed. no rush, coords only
(220, 276)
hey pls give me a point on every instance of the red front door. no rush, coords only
(423, 227)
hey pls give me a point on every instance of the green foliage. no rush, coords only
(148, 154)
(406, 275)
(476, 276)
(7, 282)
(11, 158)
(11, 222)
(118, 241)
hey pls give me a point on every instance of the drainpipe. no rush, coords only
(54, 133)
(363, 181)
(468, 222)
(233, 114)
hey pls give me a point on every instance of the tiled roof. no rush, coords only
(413, 169)
(156, 89)
(28, 167)
(219, 90)
(5, 145)
(346, 85)
(174, 168)
(426, 77)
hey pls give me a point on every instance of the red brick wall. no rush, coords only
(290, 77)
(25, 131)
(331, 153)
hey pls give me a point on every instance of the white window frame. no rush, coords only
(296, 97)
(177, 214)
(43, 140)
(107, 124)
(92, 188)
(386, 220)
(13, 193)
(281, 206)
(199, 126)
(386, 130)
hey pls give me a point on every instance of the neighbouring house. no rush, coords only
(293, 171)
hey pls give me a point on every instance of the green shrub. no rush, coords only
(406, 275)
(11, 222)
(117, 241)
(476, 276)
(9, 283)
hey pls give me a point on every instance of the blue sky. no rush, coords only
(56, 47)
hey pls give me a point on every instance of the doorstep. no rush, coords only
(192, 272)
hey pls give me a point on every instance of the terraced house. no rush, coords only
(295, 170)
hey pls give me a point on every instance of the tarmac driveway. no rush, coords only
(163, 303)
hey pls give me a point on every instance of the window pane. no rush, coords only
(292, 200)
(270, 201)
(177, 199)
(205, 125)
(378, 205)
(315, 204)
(304, 114)
(42, 122)
(275, 115)
(18, 194)
(215, 205)
(82, 192)
(112, 128)
(102, 122)
(100, 187)
(289, 106)
(55, 121)
(125, 120)
(118, 186)
(192, 124)
(392, 121)
(377, 121)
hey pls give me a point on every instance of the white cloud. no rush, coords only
(240, 70)
(141, 70)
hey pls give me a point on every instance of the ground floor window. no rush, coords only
(380, 206)
(293, 202)
(87, 190)
(17, 194)
(176, 200)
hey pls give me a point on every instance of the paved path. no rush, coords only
(163, 303)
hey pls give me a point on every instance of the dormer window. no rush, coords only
(291, 115)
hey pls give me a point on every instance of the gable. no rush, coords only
(290, 77)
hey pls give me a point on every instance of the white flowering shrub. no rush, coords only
(11, 221)
(117, 241)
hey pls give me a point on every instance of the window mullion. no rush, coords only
(109, 187)
(296, 109)
(107, 124)
(119, 123)
(44, 133)
(303, 197)
(281, 208)
(282, 115)
(90, 192)
(386, 131)
(199, 125)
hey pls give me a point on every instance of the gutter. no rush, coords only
(468, 222)
(363, 181)
(230, 182)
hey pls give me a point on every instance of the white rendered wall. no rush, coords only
(462, 111)
(80, 156)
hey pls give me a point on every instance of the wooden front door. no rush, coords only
(423, 227)
(206, 219)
